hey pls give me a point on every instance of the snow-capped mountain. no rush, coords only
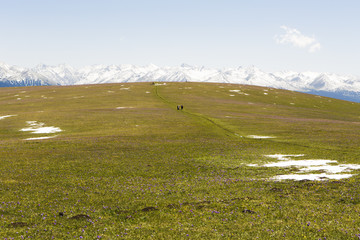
(345, 87)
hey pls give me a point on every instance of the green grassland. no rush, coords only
(128, 165)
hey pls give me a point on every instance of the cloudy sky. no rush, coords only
(298, 35)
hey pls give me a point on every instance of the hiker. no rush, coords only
(177, 107)
(182, 107)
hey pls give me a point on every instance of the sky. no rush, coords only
(276, 35)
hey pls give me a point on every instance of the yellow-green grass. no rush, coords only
(129, 165)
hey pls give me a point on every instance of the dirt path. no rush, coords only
(173, 105)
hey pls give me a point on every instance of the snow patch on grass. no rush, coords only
(299, 163)
(124, 107)
(259, 137)
(39, 138)
(38, 128)
(238, 92)
(312, 177)
(329, 168)
(282, 157)
(6, 116)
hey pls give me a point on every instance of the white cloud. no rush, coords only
(295, 38)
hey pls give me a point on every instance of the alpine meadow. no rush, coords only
(119, 161)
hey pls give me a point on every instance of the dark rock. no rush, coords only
(148, 209)
(18, 224)
(248, 211)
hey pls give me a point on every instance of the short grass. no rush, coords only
(149, 171)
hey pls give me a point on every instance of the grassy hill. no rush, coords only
(128, 164)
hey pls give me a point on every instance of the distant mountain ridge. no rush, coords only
(346, 87)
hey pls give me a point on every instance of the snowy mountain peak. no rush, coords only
(343, 86)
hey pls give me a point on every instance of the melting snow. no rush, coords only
(281, 157)
(310, 165)
(6, 116)
(238, 92)
(259, 137)
(39, 128)
(318, 177)
(299, 163)
(39, 138)
(123, 107)
(332, 168)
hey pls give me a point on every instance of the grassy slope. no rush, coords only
(151, 171)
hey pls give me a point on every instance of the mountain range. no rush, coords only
(345, 87)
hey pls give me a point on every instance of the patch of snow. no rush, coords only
(265, 93)
(299, 163)
(284, 157)
(124, 107)
(328, 166)
(238, 92)
(6, 116)
(312, 177)
(259, 137)
(232, 95)
(39, 128)
(124, 88)
(39, 138)
(331, 168)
